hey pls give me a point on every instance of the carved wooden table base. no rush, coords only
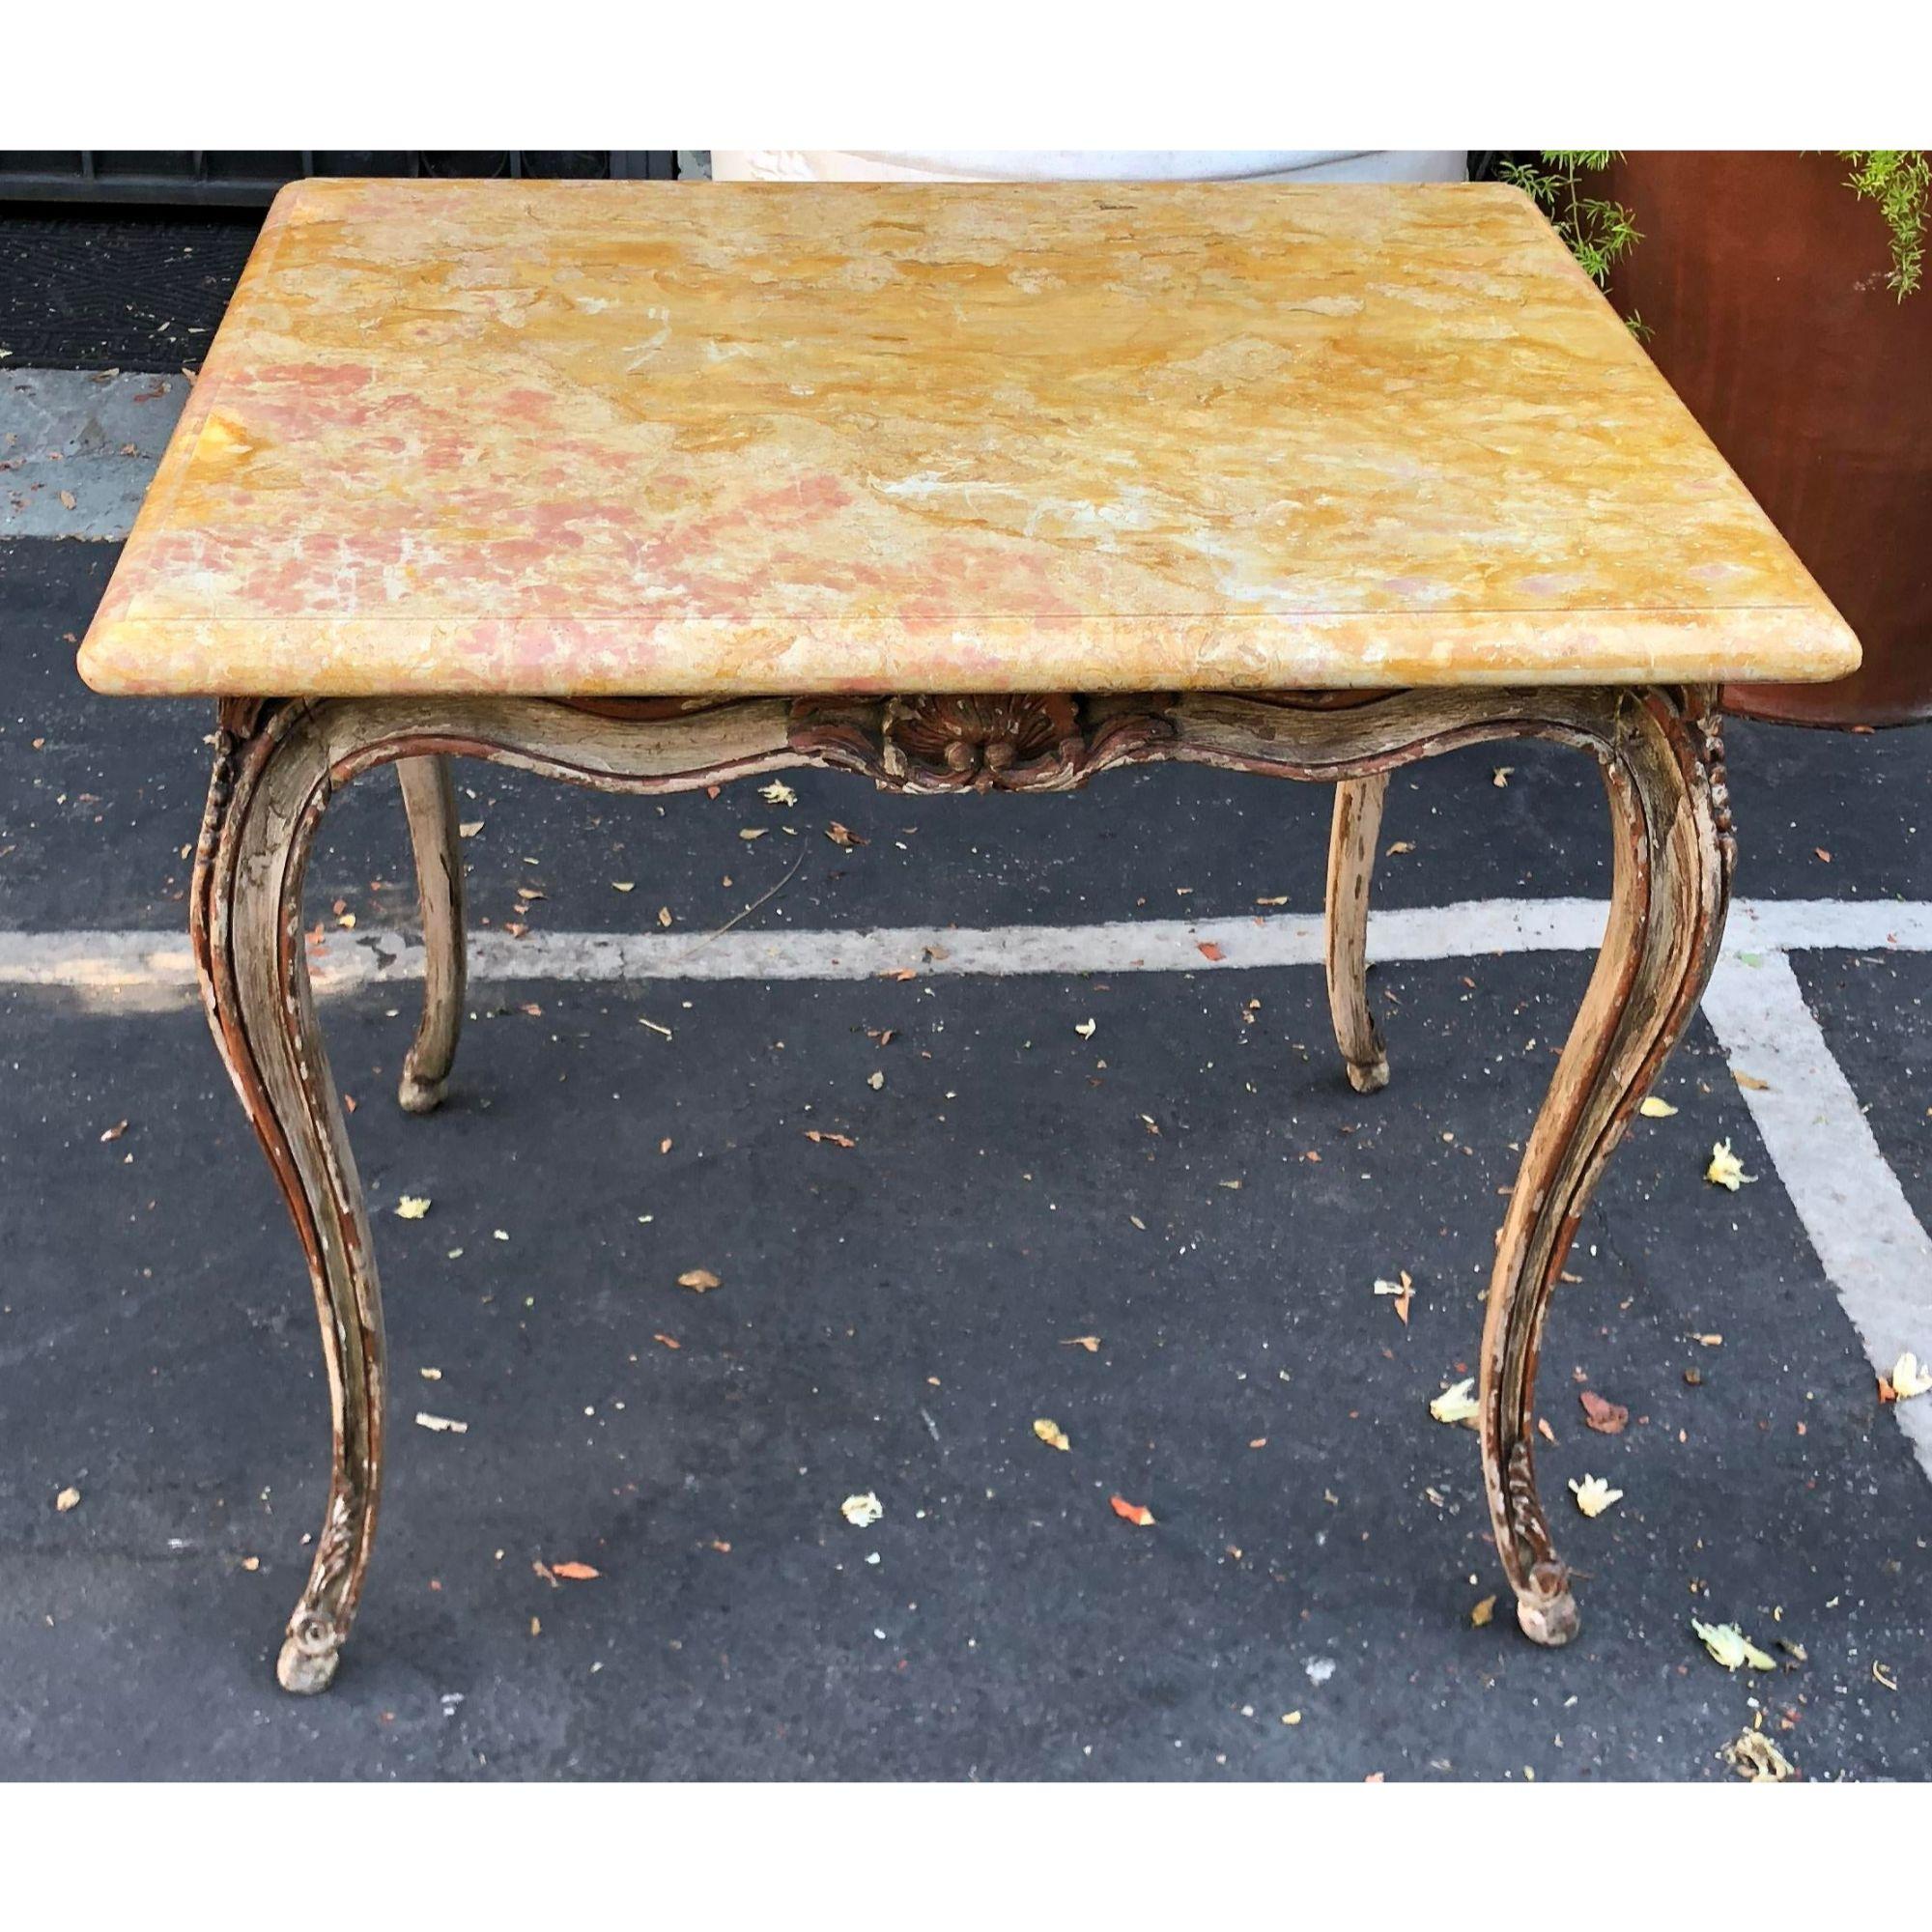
(277, 763)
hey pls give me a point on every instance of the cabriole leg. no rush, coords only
(1351, 865)
(276, 767)
(1663, 761)
(270, 782)
(429, 798)
(1664, 772)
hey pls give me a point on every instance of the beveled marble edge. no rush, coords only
(129, 656)
(707, 658)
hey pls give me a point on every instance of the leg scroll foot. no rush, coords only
(1369, 1076)
(1550, 1621)
(309, 1656)
(416, 1096)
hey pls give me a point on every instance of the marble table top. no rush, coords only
(597, 439)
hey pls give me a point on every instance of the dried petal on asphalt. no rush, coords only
(1726, 1170)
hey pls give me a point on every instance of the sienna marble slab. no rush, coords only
(603, 438)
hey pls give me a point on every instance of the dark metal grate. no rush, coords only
(231, 177)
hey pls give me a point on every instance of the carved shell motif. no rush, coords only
(1033, 742)
(980, 742)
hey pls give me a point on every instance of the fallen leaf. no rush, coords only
(1051, 1434)
(67, 499)
(752, 832)
(777, 792)
(1726, 1170)
(1750, 1081)
(1134, 1513)
(664, 916)
(1403, 1292)
(1753, 1757)
(1291, 1716)
(1091, 1343)
(577, 1573)
(1909, 1379)
(69, 1498)
(830, 1140)
(1208, 949)
(1457, 1403)
(1087, 1029)
(1400, 846)
(1501, 777)
(876, 1080)
(115, 1132)
(699, 1280)
(1594, 1496)
(469, 828)
(623, 885)
(413, 1207)
(843, 835)
(1653, 1109)
(1483, 1612)
(1822, 853)
(442, 1425)
(1729, 1646)
(861, 1511)
(1606, 1418)
(669, 1341)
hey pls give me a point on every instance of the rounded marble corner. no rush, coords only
(97, 670)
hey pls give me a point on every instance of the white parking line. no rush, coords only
(1871, 1246)
(158, 964)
